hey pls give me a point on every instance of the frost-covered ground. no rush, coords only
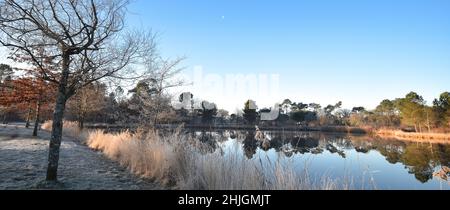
(23, 162)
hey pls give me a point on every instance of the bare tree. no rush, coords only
(87, 101)
(85, 40)
(162, 74)
(151, 98)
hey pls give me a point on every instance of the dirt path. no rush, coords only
(23, 162)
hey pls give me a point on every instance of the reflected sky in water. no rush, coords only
(366, 162)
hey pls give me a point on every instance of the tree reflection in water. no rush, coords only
(207, 141)
(420, 159)
(250, 145)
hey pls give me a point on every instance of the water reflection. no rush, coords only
(419, 159)
(250, 145)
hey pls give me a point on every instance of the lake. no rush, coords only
(364, 161)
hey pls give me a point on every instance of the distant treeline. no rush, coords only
(146, 104)
(410, 113)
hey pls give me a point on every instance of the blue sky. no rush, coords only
(357, 51)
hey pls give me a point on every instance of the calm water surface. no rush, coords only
(366, 162)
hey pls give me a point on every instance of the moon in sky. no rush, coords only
(223, 17)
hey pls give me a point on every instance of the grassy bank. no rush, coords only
(409, 136)
(178, 162)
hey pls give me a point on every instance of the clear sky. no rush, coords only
(357, 51)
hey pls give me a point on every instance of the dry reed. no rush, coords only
(69, 128)
(411, 136)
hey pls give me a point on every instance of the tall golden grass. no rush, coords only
(143, 154)
(234, 172)
(69, 128)
(177, 161)
(419, 137)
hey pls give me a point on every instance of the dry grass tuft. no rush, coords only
(145, 155)
(69, 128)
(420, 137)
(234, 172)
(47, 125)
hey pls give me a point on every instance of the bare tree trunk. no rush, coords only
(81, 122)
(81, 109)
(155, 119)
(37, 118)
(27, 124)
(5, 118)
(428, 123)
(415, 127)
(57, 127)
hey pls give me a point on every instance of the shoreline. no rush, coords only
(382, 133)
(416, 137)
